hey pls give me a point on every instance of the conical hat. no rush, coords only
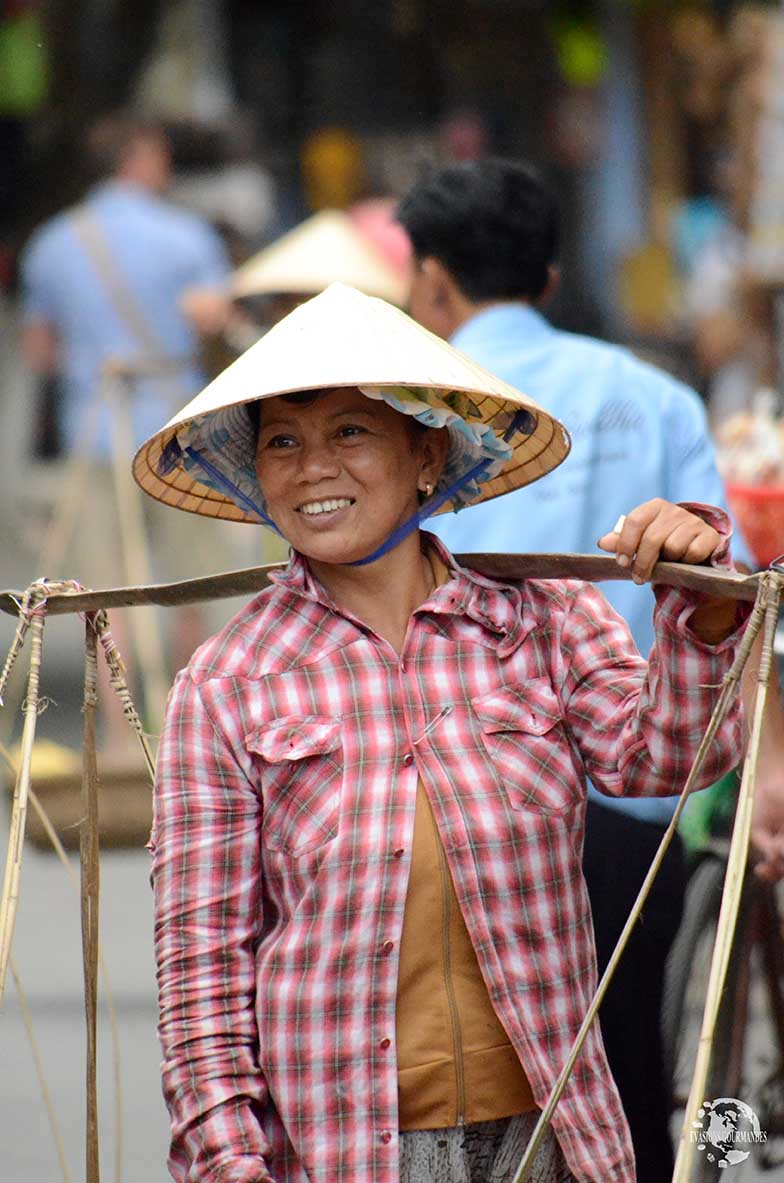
(325, 249)
(343, 338)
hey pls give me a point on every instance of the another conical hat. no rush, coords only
(343, 338)
(325, 249)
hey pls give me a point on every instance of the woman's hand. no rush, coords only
(656, 530)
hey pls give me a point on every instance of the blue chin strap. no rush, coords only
(521, 420)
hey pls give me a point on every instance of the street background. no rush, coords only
(276, 111)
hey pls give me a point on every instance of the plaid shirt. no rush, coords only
(284, 812)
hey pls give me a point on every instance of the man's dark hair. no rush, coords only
(493, 224)
(111, 136)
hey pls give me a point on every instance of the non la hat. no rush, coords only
(203, 460)
(324, 249)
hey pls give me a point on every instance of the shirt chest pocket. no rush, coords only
(522, 730)
(300, 769)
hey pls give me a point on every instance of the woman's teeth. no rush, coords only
(316, 507)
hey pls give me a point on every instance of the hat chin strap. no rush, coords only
(227, 486)
(431, 506)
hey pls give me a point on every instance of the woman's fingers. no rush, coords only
(658, 529)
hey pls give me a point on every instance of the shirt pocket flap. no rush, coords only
(533, 708)
(294, 737)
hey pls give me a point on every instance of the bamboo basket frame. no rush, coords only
(43, 598)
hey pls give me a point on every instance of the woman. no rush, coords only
(373, 938)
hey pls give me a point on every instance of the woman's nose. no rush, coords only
(318, 461)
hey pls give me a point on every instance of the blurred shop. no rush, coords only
(281, 109)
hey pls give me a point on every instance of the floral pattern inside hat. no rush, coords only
(225, 440)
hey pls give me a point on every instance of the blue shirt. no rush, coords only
(159, 250)
(636, 433)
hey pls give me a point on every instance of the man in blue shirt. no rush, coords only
(485, 240)
(108, 279)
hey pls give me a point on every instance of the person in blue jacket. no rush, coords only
(485, 243)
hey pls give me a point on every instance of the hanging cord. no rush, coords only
(32, 616)
(729, 690)
(769, 600)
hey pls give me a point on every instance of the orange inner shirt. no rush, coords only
(454, 1060)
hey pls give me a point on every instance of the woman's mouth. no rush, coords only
(313, 509)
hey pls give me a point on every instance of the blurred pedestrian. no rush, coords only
(104, 281)
(485, 241)
(103, 287)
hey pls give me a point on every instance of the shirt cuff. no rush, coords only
(722, 524)
(677, 605)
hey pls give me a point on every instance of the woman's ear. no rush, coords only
(435, 446)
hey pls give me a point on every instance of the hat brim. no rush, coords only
(342, 339)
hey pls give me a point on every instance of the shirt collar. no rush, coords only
(497, 323)
(499, 608)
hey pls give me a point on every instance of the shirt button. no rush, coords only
(386, 1137)
(399, 852)
(408, 759)
(387, 947)
(385, 1044)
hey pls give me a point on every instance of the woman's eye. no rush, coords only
(351, 429)
(280, 441)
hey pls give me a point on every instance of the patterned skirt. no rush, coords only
(485, 1152)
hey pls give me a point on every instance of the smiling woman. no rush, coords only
(373, 940)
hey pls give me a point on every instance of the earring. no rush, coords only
(428, 489)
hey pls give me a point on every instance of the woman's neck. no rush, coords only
(384, 594)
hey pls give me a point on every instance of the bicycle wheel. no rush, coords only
(686, 984)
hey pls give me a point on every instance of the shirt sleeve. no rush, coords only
(208, 263)
(638, 726)
(208, 913)
(37, 267)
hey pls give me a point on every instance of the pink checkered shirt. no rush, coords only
(284, 813)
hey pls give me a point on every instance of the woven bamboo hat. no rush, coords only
(325, 249)
(203, 460)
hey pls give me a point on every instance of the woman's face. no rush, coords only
(340, 472)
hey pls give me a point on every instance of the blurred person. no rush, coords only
(105, 282)
(485, 242)
(372, 935)
(328, 247)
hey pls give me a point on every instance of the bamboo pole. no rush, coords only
(146, 627)
(770, 589)
(90, 872)
(729, 689)
(592, 568)
(9, 903)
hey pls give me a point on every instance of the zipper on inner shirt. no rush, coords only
(454, 1014)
